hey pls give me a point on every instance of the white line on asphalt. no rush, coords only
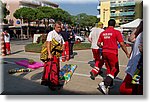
(99, 77)
(85, 75)
(88, 61)
(10, 62)
(78, 74)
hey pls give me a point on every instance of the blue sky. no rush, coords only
(75, 7)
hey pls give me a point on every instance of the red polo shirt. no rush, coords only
(109, 38)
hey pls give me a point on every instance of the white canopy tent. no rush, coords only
(132, 24)
(129, 27)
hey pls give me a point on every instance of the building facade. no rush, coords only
(105, 12)
(13, 5)
(123, 11)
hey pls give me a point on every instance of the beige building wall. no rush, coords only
(12, 6)
(105, 12)
(117, 19)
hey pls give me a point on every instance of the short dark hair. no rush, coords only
(111, 22)
(58, 22)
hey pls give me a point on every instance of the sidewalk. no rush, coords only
(29, 83)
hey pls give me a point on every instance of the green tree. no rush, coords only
(62, 15)
(26, 14)
(39, 16)
(45, 13)
(86, 20)
(4, 10)
(83, 21)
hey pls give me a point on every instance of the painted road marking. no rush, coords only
(78, 74)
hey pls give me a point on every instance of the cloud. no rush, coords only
(74, 1)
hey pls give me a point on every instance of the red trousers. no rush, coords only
(111, 62)
(51, 72)
(98, 62)
(65, 54)
(7, 47)
(127, 88)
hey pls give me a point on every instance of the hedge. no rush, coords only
(34, 47)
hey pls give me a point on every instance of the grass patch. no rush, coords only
(37, 47)
(82, 46)
(33, 48)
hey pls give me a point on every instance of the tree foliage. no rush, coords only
(84, 20)
(40, 13)
(25, 13)
(45, 12)
(62, 15)
(4, 10)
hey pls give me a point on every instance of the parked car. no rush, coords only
(79, 38)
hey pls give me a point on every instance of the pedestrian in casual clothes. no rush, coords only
(93, 38)
(52, 66)
(108, 41)
(66, 53)
(134, 68)
(71, 41)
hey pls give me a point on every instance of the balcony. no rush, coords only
(98, 16)
(126, 13)
(112, 10)
(129, 4)
(98, 7)
(114, 14)
(122, 14)
(122, 4)
(30, 2)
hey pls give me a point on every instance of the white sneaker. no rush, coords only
(60, 58)
(103, 88)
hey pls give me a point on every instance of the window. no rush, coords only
(119, 1)
(121, 10)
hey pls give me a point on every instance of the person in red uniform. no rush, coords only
(93, 38)
(108, 40)
(7, 42)
(65, 54)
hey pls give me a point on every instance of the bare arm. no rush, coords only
(124, 49)
(90, 39)
(136, 32)
(48, 44)
(63, 47)
(132, 36)
(140, 48)
(99, 44)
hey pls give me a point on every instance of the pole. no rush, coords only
(21, 28)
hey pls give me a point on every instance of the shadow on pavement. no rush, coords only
(117, 80)
(75, 53)
(17, 52)
(16, 84)
(92, 63)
